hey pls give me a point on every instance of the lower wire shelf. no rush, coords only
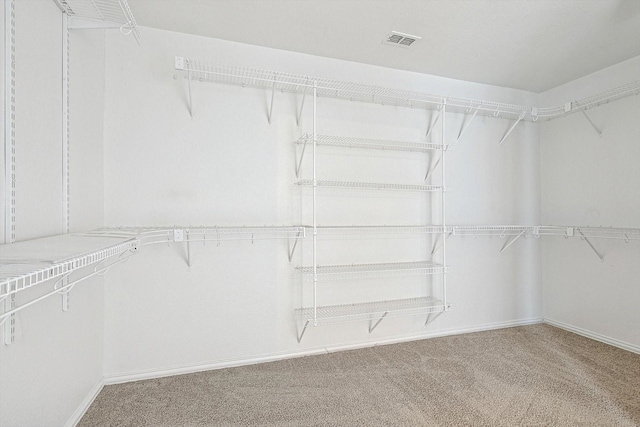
(371, 310)
(425, 267)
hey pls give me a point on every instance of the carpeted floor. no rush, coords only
(526, 376)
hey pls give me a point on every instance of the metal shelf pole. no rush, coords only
(444, 222)
(315, 225)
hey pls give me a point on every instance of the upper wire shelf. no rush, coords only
(425, 267)
(108, 11)
(369, 185)
(151, 235)
(370, 144)
(354, 230)
(370, 310)
(27, 264)
(296, 83)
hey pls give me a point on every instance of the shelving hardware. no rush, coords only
(368, 144)
(368, 185)
(424, 267)
(86, 14)
(27, 264)
(295, 83)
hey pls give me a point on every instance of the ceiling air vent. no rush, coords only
(401, 39)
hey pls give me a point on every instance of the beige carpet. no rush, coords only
(527, 376)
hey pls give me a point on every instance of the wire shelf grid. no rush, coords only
(367, 143)
(19, 274)
(115, 11)
(425, 267)
(372, 310)
(369, 185)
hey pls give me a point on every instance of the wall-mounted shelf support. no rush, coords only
(304, 96)
(520, 117)
(593, 125)
(465, 126)
(433, 316)
(439, 242)
(304, 329)
(9, 323)
(512, 241)
(372, 325)
(432, 168)
(292, 249)
(434, 122)
(273, 95)
(583, 237)
(305, 139)
(100, 14)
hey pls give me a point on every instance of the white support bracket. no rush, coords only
(304, 147)
(182, 235)
(304, 95)
(438, 243)
(512, 241)
(520, 117)
(435, 122)
(372, 325)
(292, 249)
(431, 317)
(9, 322)
(583, 237)
(304, 329)
(593, 125)
(273, 95)
(432, 168)
(465, 126)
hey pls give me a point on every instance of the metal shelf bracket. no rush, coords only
(438, 242)
(372, 325)
(512, 241)
(432, 168)
(465, 126)
(9, 322)
(292, 249)
(273, 95)
(304, 146)
(598, 131)
(583, 237)
(520, 117)
(304, 95)
(304, 329)
(431, 317)
(435, 121)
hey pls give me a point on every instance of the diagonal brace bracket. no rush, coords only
(292, 249)
(520, 117)
(438, 243)
(304, 329)
(593, 125)
(512, 241)
(304, 95)
(466, 125)
(591, 245)
(304, 146)
(434, 123)
(375, 325)
(432, 168)
(431, 317)
(273, 93)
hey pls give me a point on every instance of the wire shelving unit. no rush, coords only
(371, 311)
(368, 144)
(369, 185)
(110, 12)
(424, 267)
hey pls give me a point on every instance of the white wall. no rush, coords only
(56, 359)
(592, 180)
(227, 166)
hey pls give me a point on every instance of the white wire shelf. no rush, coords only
(116, 12)
(27, 264)
(372, 310)
(369, 185)
(152, 235)
(295, 83)
(424, 267)
(613, 233)
(610, 95)
(287, 82)
(355, 230)
(369, 144)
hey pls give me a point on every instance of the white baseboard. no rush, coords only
(607, 340)
(82, 409)
(188, 369)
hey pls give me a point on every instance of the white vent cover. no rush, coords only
(401, 39)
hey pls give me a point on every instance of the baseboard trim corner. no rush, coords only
(594, 336)
(200, 367)
(86, 403)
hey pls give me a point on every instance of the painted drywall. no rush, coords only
(587, 179)
(56, 359)
(228, 166)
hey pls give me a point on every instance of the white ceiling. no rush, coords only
(526, 44)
